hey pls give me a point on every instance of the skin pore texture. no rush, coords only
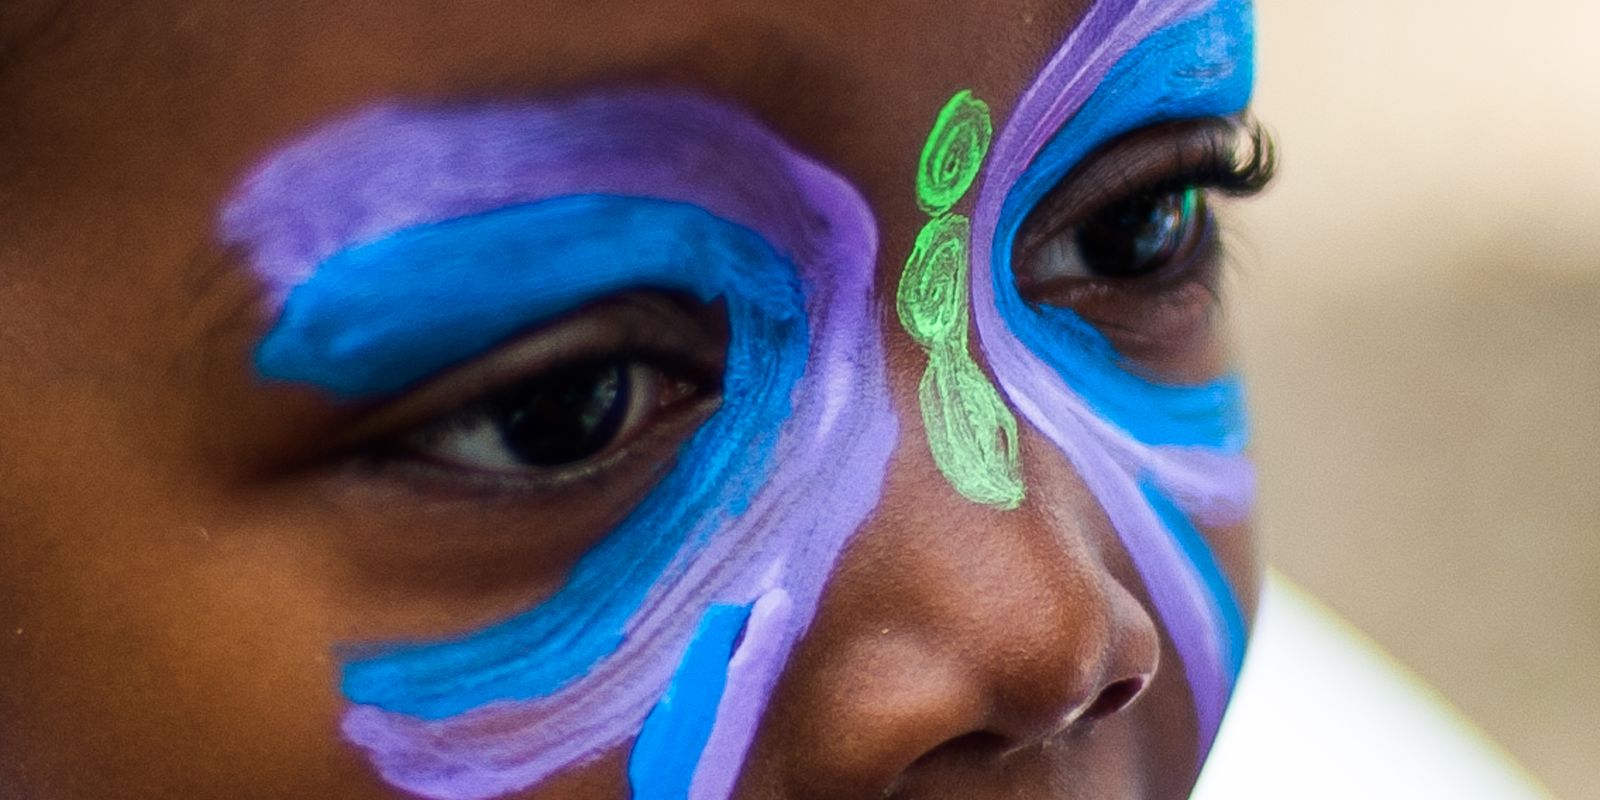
(927, 538)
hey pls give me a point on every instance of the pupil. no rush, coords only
(1137, 236)
(566, 416)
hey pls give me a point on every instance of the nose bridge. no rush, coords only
(954, 621)
(1023, 600)
(975, 612)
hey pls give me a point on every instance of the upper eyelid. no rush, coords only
(1105, 174)
(602, 329)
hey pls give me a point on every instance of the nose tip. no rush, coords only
(956, 637)
(1095, 665)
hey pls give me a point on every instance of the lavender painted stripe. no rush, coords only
(394, 167)
(752, 674)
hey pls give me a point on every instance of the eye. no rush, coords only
(1129, 243)
(483, 483)
(567, 416)
(1138, 207)
(627, 376)
(1130, 238)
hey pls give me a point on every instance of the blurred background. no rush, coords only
(1419, 312)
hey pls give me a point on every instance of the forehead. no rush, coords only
(247, 74)
(145, 116)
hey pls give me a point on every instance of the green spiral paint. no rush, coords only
(954, 153)
(933, 288)
(971, 431)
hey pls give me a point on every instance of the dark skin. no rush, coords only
(184, 549)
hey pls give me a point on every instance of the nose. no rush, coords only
(954, 633)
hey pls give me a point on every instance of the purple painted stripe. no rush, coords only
(393, 167)
(752, 674)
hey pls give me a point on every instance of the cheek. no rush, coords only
(1238, 550)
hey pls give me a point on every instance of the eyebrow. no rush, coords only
(756, 63)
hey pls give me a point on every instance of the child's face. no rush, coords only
(538, 399)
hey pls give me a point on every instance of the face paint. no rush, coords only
(954, 153)
(1160, 459)
(403, 241)
(971, 433)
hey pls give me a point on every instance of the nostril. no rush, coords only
(969, 746)
(1115, 697)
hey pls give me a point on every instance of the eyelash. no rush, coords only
(392, 444)
(1153, 303)
(1221, 169)
(1234, 157)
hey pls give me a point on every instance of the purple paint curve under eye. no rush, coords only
(392, 168)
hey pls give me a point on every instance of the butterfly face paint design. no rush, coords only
(402, 241)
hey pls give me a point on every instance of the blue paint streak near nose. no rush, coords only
(1203, 67)
(379, 317)
(674, 735)
(1234, 632)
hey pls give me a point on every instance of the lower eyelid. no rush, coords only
(1163, 326)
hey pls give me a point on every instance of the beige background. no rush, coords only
(1419, 309)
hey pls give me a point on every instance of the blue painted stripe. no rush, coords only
(675, 734)
(1202, 67)
(379, 317)
(1233, 631)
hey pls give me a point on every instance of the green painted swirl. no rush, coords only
(954, 153)
(971, 432)
(933, 288)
